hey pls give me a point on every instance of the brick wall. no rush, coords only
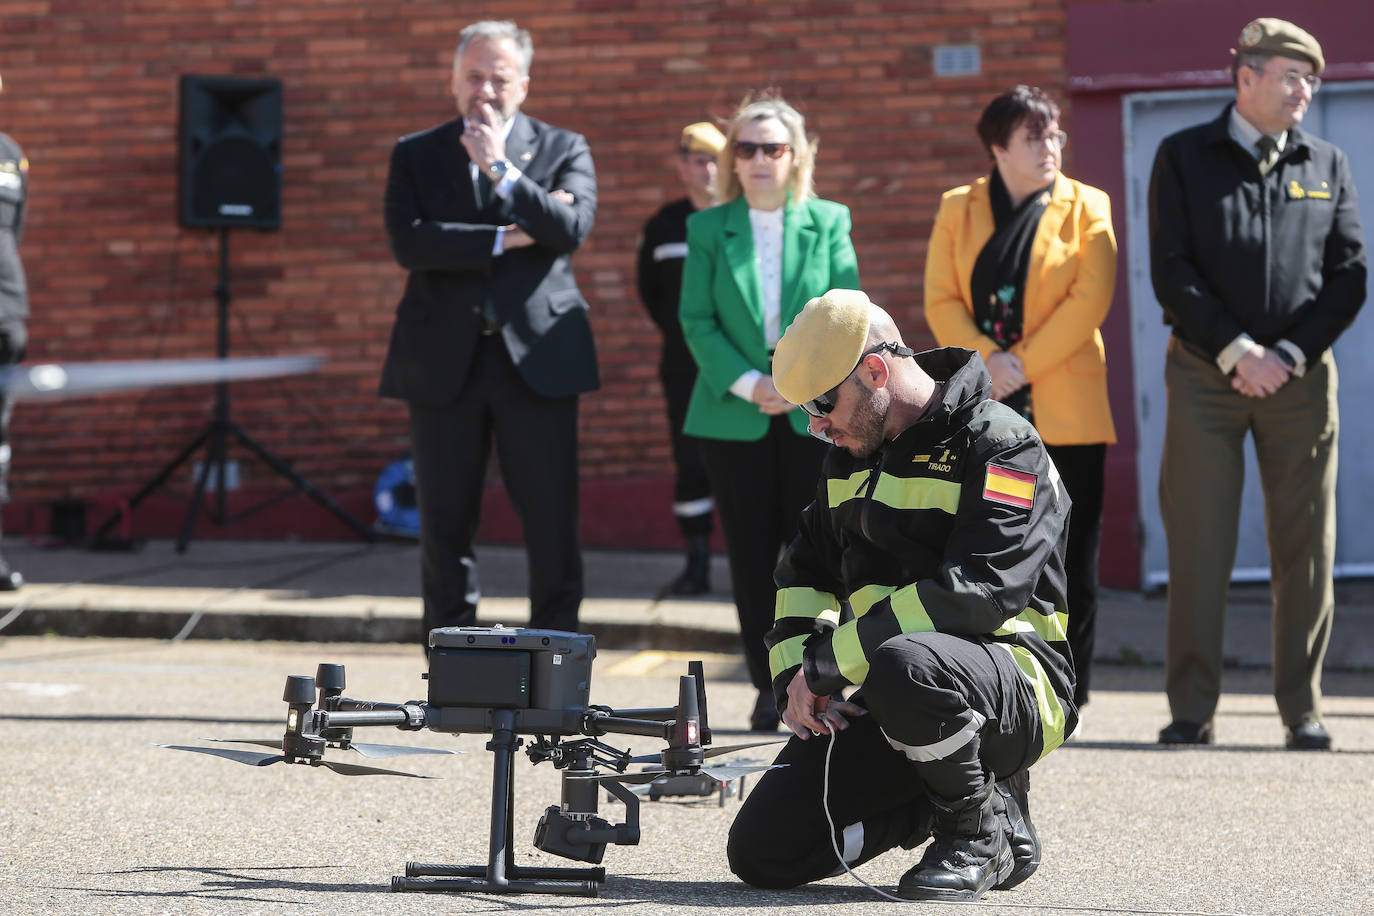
(91, 93)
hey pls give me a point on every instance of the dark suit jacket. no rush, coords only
(442, 236)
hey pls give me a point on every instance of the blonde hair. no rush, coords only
(760, 107)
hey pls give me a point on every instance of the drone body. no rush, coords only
(507, 683)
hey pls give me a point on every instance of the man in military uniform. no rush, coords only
(1258, 258)
(14, 303)
(940, 520)
(661, 253)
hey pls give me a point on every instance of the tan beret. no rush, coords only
(822, 345)
(701, 137)
(1275, 36)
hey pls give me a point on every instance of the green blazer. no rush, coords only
(721, 312)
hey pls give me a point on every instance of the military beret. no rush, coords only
(701, 137)
(822, 345)
(1275, 36)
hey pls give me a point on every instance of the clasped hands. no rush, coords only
(1260, 373)
(766, 396)
(805, 711)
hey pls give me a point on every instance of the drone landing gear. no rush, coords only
(501, 875)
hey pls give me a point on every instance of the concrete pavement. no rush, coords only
(359, 593)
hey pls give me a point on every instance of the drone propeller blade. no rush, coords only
(367, 750)
(711, 751)
(354, 769)
(395, 750)
(727, 773)
(251, 758)
(263, 742)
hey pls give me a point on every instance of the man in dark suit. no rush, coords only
(14, 304)
(492, 339)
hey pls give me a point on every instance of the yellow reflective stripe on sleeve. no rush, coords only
(786, 654)
(808, 603)
(1051, 628)
(1051, 710)
(849, 653)
(842, 489)
(910, 611)
(863, 599)
(917, 493)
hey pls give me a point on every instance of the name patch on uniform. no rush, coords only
(1008, 487)
(669, 251)
(1298, 192)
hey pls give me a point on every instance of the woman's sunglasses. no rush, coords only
(823, 404)
(744, 150)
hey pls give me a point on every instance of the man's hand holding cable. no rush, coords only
(805, 710)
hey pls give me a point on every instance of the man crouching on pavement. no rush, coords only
(940, 519)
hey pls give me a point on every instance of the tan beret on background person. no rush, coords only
(1275, 36)
(701, 137)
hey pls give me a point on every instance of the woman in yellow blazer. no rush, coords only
(752, 263)
(1021, 267)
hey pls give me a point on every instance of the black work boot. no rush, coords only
(970, 852)
(696, 577)
(1025, 842)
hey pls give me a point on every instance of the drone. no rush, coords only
(507, 683)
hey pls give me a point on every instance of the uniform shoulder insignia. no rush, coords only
(1009, 487)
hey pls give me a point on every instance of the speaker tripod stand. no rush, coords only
(215, 437)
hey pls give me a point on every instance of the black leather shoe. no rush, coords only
(11, 581)
(764, 718)
(1179, 732)
(1309, 736)
(1026, 850)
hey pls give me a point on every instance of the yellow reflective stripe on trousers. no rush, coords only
(897, 492)
(786, 654)
(1051, 628)
(808, 603)
(1051, 710)
(849, 653)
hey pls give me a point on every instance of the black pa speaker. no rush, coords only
(230, 146)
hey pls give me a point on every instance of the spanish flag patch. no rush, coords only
(1011, 488)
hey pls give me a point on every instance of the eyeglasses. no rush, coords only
(823, 404)
(744, 150)
(1056, 138)
(1293, 79)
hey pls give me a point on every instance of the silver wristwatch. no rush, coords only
(498, 169)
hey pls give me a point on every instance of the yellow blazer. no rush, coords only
(1068, 291)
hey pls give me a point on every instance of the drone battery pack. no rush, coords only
(479, 678)
(545, 675)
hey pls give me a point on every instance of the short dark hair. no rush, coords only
(1020, 104)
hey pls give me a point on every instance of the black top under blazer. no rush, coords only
(444, 238)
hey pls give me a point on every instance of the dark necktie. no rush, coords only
(1268, 153)
(483, 189)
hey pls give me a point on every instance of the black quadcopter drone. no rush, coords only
(506, 683)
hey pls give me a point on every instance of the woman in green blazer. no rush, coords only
(752, 263)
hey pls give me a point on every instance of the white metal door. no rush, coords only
(1344, 114)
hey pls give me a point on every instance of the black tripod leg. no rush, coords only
(156, 482)
(285, 470)
(212, 451)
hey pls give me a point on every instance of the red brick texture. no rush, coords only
(91, 94)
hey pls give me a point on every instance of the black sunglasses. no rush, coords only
(744, 150)
(822, 404)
